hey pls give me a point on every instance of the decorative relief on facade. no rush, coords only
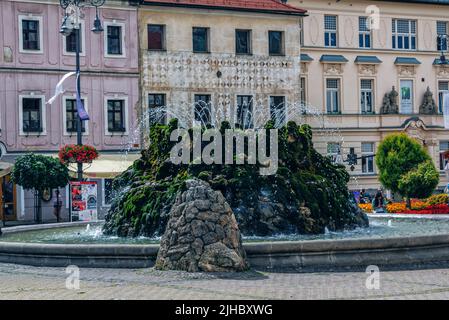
(427, 35)
(367, 69)
(442, 71)
(333, 69)
(304, 68)
(382, 34)
(195, 72)
(416, 128)
(313, 30)
(406, 71)
(349, 32)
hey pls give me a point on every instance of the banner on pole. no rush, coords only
(84, 200)
(446, 109)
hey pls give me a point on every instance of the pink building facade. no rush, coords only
(33, 58)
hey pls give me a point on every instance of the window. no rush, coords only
(203, 109)
(200, 38)
(367, 157)
(406, 96)
(243, 41)
(156, 37)
(301, 32)
(108, 192)
(114, 40)
(334, 152)
(444, 146)
(72, 116)
(441, 31)
(364, 33)
(245, 112)
(30, 34)
(443, 87)
(278, 110)
(116, 116)
(302, 91)
(276, 42)
(330, 31)
(156, 108)
(404, 34)
(32, 115)
(366, 96)
(333, 95)
(70, 41)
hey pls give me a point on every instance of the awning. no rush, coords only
(5, 168)
(107, 166)
(406, 61)
(332, 58)
(305, 58)
(367, 60)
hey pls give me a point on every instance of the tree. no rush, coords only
(419, 182)
(38, 172)
(396, 157)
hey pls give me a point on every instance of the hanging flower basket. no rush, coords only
(73, 153)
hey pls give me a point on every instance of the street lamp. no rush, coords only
(71, 24)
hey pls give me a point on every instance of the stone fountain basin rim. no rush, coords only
(251, 248)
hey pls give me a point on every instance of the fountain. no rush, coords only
(307, 194)
(301, 217)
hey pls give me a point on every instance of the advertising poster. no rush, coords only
(83, 200)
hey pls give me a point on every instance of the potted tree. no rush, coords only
(38, 173)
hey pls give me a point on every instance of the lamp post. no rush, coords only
(71, 24)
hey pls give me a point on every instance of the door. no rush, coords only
(8, 210)
(406, 96)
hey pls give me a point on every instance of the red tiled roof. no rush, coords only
(268, 6)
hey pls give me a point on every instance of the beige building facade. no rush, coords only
(353, 54)
(205, 63)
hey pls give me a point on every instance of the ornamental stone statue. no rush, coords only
(390, 102)
(428, 106)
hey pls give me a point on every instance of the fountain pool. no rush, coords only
(381, 227)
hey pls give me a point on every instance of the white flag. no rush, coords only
(446, 110)
(59, 89)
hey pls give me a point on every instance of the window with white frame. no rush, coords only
(32, 115)
(114, 39)
(441, 31)
(330, 31)
(116, 116)
(444, 146)
(367, 96)
(364, 33)
(406, 96)
(367, 157)
(334, 152)
(443, 87)
(30, 34)
(404, 34)
(333, 95)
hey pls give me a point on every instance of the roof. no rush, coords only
(263, 6)
(333, 58)
(367, 59)
(305, 58)
(409, 61)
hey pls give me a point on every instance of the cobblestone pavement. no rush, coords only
(25, 282)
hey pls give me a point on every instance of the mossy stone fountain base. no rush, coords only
(307, 194)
